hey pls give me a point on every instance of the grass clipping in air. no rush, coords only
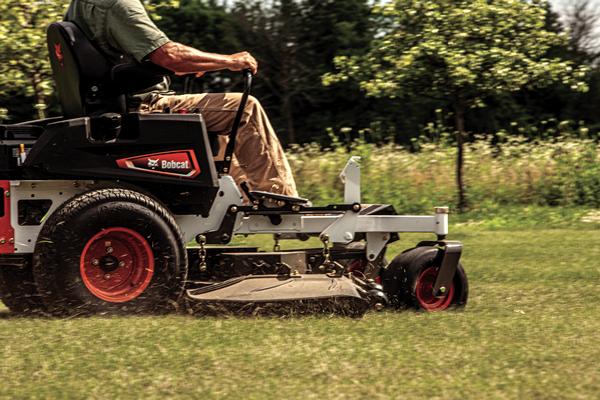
(345, 307)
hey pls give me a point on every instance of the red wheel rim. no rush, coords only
(117, 265)
(424, 291)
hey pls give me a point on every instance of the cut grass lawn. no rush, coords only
(531, 330)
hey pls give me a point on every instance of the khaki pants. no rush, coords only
(258, 159)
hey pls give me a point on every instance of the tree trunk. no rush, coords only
(459, 116)
(40, 98)
(288, 114)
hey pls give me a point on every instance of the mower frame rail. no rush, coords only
(227, 218)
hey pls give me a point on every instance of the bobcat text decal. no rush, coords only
(179, 163)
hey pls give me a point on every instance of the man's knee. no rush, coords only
(253, 104)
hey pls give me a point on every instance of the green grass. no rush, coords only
(531, 330)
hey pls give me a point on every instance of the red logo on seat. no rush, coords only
(59, 54)
(180, 163)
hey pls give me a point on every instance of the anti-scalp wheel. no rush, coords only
(110, 250)
(410, 277)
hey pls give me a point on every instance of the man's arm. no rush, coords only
(183, 60)
(136, 35)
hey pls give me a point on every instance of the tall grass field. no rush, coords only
(499, 170)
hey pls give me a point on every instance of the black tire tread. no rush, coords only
(18, 290)
(394, 276)
(82, 202)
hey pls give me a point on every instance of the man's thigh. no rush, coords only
(217, 109)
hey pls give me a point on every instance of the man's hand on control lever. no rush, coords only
(242, 61)
(185, 60)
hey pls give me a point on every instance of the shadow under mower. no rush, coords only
(97, 207)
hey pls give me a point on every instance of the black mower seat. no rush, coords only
(258, 195)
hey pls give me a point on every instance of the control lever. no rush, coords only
(225, 167)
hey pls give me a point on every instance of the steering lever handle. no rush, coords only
(248, 78)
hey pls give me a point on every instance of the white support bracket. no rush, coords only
(376, 242)
(344, 229)
(229, 196)
(350, 177)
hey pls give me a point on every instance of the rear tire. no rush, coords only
(409, 278)
(110, 251)
(18, 290)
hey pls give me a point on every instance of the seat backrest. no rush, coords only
(79, 68)
(87, 82)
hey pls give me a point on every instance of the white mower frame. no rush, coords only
(336, 228)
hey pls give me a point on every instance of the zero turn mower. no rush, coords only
(97, 208)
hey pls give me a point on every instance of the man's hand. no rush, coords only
(184, 60)
(243, 60)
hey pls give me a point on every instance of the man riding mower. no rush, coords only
(98, 205)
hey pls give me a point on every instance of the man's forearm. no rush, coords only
(182, 59)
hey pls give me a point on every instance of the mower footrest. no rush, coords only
(278, 197)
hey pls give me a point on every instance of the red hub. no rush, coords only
(424, 291)
(117, 265)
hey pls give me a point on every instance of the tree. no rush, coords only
(272, 33)
(459, 51)
(295, 42)
(24, 59)
(582, 20)
(198, 23)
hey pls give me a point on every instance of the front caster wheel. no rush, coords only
(422, 294)
(110, 251)
(410, 277)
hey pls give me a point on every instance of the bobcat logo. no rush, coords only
(59, 54)
(175, 163)
(153, 164)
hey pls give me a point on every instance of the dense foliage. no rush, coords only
(459, 53)
(24, 64)
(507, 67)
(296, 43)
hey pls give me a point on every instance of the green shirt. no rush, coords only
(120, 28)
